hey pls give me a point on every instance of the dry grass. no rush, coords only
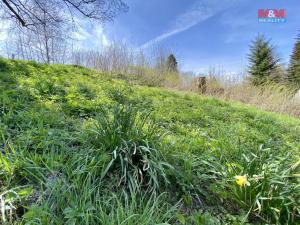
(271, 97)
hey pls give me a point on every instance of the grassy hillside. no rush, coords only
(79, 147)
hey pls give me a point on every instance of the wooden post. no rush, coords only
(201, 83)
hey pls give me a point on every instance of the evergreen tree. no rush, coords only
(294, 67)
(262, 61)
(172, 64)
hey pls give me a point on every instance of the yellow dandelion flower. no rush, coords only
(242, 181)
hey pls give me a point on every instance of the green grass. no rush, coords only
(79, 147)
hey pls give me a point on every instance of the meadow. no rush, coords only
(84, 147)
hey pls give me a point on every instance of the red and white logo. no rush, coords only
(272, 15)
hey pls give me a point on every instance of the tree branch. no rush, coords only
(15, 13)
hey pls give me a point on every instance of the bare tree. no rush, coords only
(116, 57)
(45, 41)
(24, 11)
(49, 23)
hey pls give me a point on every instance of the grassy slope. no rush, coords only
(44, 111)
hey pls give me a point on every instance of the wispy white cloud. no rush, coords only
(91, 35)
(200, 11)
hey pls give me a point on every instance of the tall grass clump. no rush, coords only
(134, 209)
(133, 142)
(17, 178)
(81, 199)
(263, 183)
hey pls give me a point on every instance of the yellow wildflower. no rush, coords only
(242, 181)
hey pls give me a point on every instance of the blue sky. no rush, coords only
(201, 33)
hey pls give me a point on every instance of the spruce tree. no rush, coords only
(262, 61)
(172, 64)
(294, 67)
